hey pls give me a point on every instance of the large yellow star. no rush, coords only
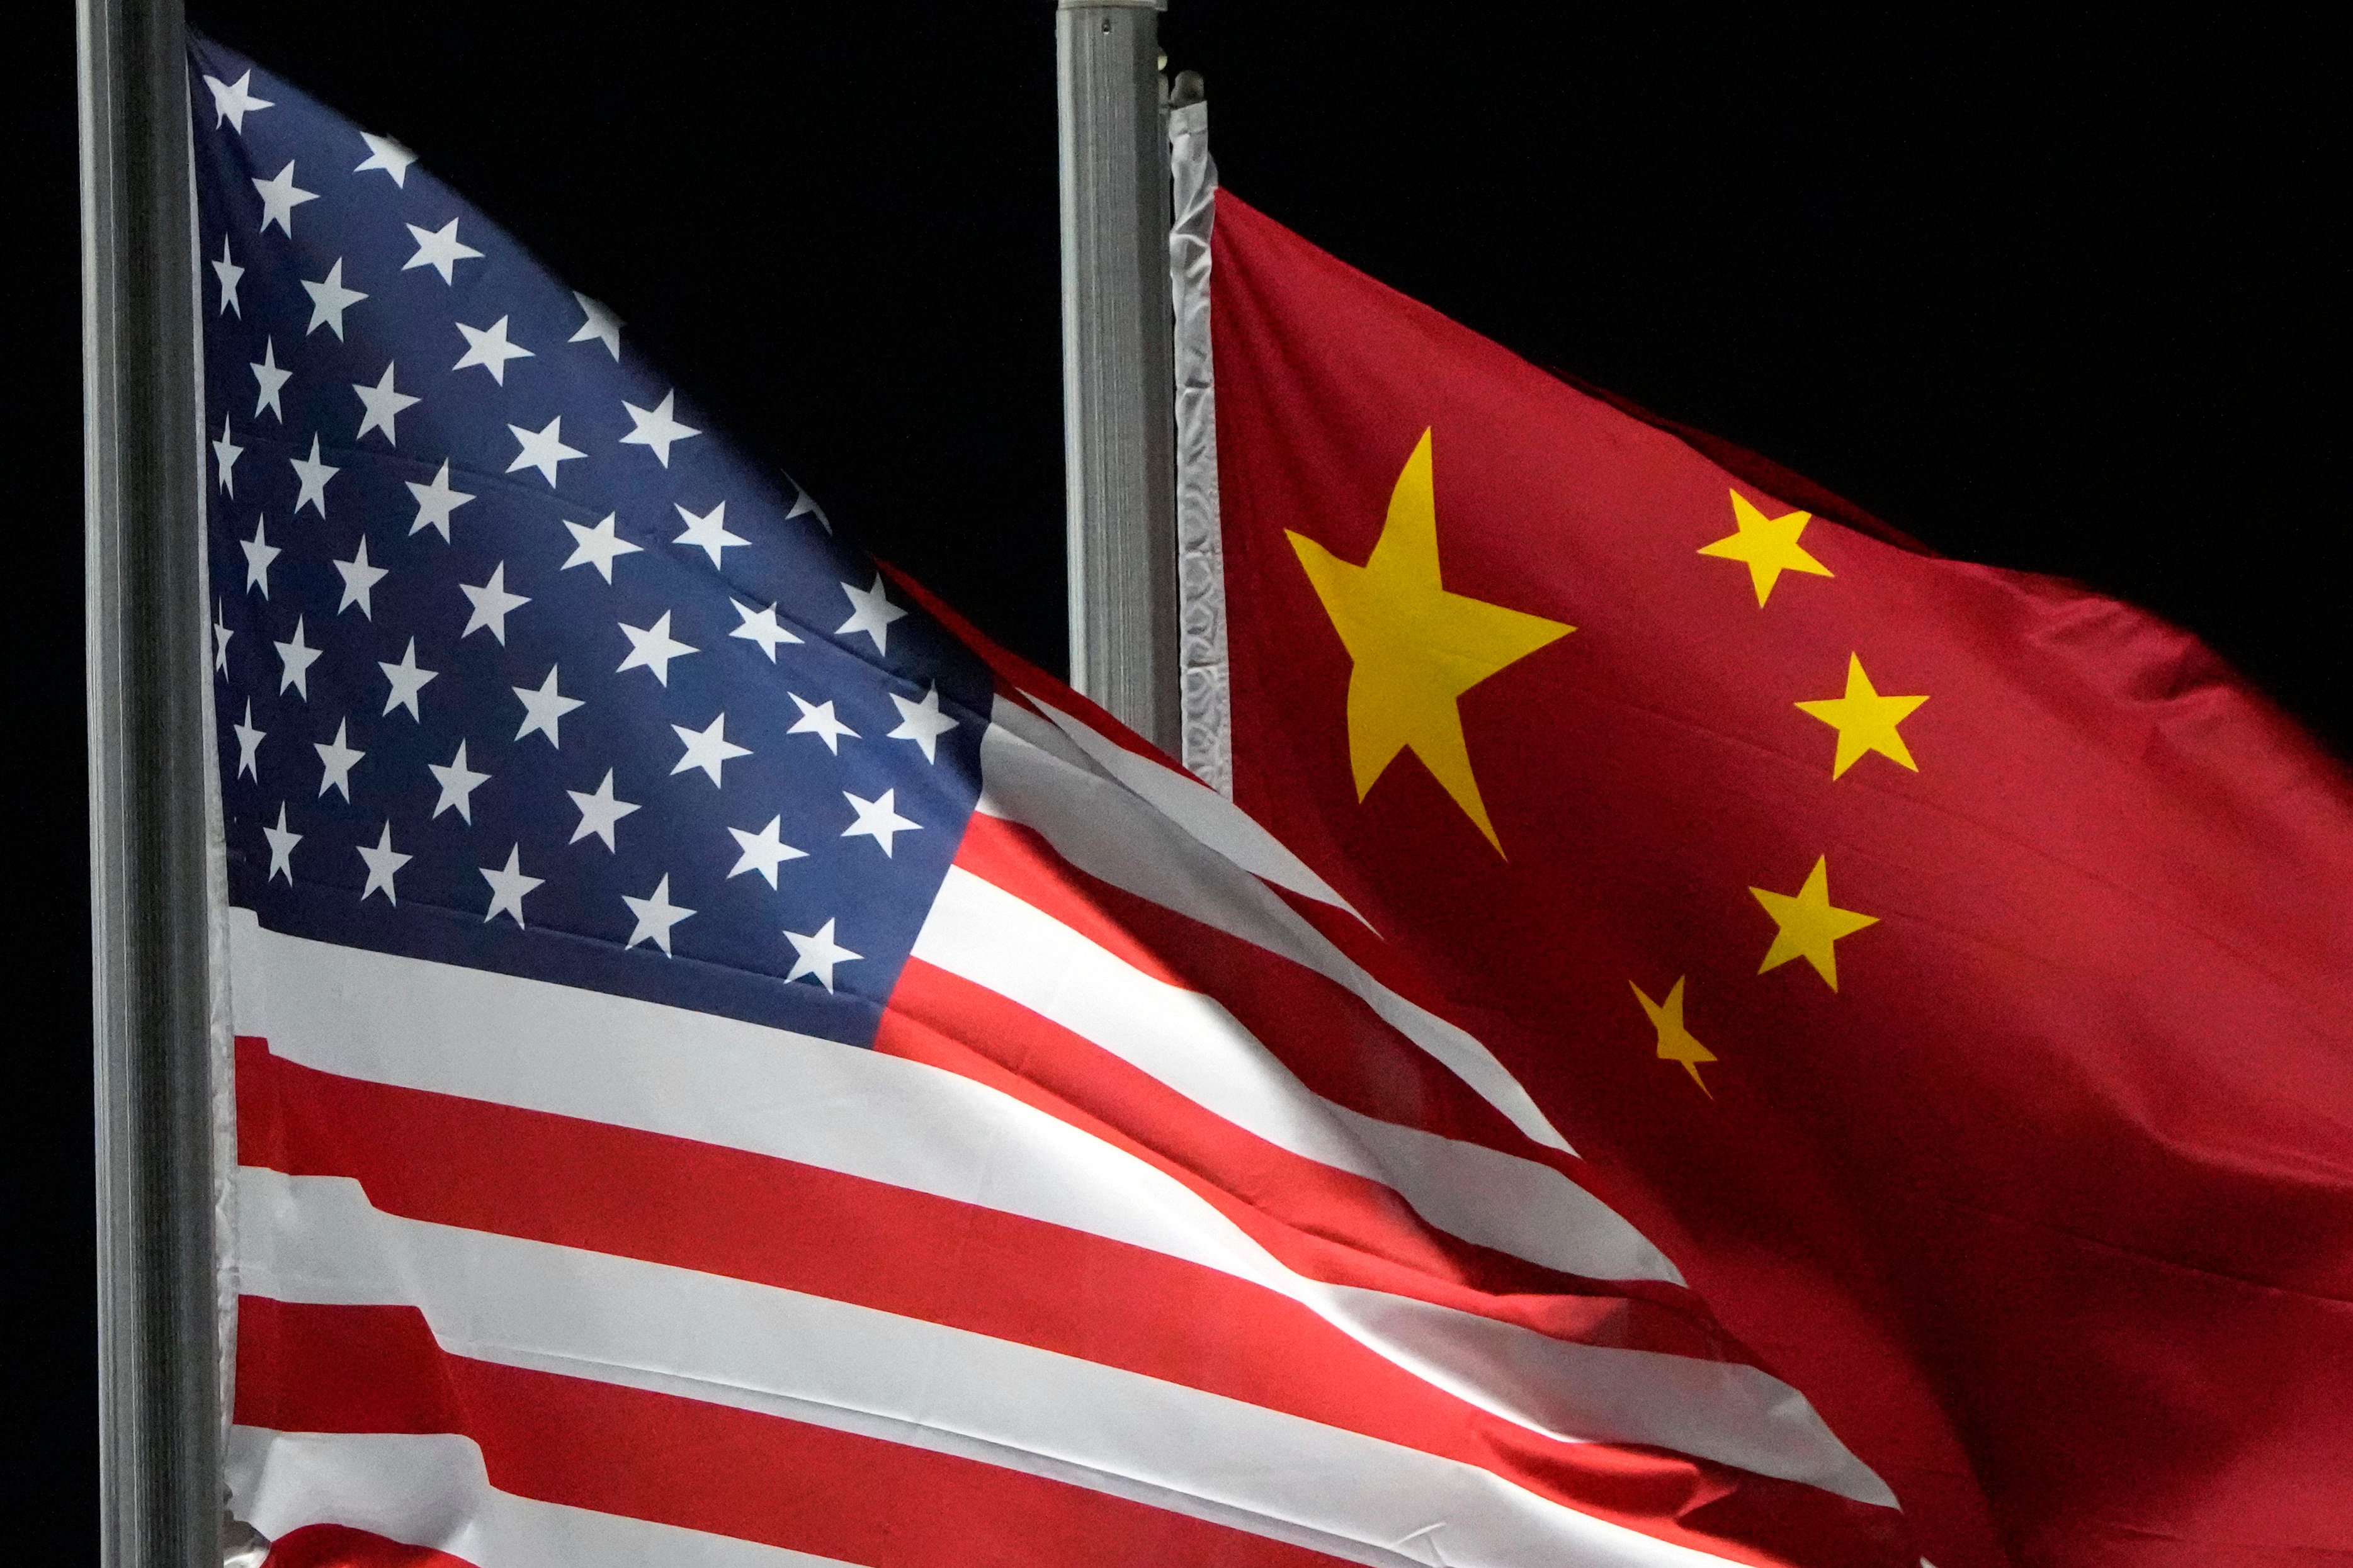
(1865, 720)
(1415, 647)
(1675, 1042)
(1767, 544)
(1811, 926)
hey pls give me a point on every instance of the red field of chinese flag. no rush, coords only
(1951, 968)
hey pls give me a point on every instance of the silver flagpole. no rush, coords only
(1118, 385)
(147, 665)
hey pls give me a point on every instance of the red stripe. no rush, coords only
(684, 1462)
(341, 1546)
(1326, 1035)
(1323, 1223)
(619, 1191)
(1329, 1037)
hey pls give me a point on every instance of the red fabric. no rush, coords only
(2049, 1206)
(474, 1166)
(603, 1447)
(341, 1546)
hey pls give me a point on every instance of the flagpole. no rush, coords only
(146, 665)
(1118, 383)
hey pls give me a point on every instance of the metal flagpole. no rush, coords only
(1118, 385)
(147, 665)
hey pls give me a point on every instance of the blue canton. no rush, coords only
(518, 664)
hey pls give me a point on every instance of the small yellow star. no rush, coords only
(1768, 545)
(1415, 647)
(1811, 926)
(1675, 1042)
(1865, 720)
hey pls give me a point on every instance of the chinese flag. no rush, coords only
(1951, 968)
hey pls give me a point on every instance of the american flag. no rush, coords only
(732, 1070)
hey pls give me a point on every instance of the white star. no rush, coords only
(760, 626)
(492, 603)
(387, 154)
(384, 404)
(921, 723)
(295, 659)
(598, 546)
(231, 100)
(221, 634)
(544, 709)
(817, 718)
(817, 954)
(876, 819)
(871, 612)
(384, 862)
(708, 532)
(764, 851)
(488, 347)
(708, 748)
(655, 916)
(229, 272)
(259, 553)
(653, 647)
(226, 453)
(602, 326)
(459, 784)
(314, 476)
(508, 887)
(542, 449)
(329, 300)
(805, 505)
(654, 427)
(272, 380)
(435, 501)
(249, 745)
(407, 681)
(335, 763)
(359, 580)
(280, 197)
(599, 812)
(282, 848)
(440, 249)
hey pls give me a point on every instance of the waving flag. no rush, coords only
(1952, 969)
(733, 1071)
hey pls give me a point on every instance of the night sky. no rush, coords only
(2041, 295)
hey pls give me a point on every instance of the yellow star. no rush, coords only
(1865, 720)
(1768, 544)
(1415, 647)
(1675, 1042)
(1810, 927)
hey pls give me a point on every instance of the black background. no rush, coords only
(2051, 296)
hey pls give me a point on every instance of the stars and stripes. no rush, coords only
(963, 1139)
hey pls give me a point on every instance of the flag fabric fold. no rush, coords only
(1951, 969)
(733, 1069)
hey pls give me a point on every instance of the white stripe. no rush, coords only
(1511, 1204)
(584, 1314)
(613, 1060)
(432, 1492)
(1199, 810)
(1033, 775)
(1193, 1044)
